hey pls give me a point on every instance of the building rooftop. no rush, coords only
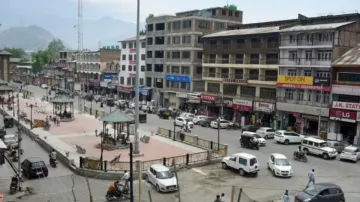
(2, 52)
(142, 37)
(299, 28)
(350, 58)
(241, 32)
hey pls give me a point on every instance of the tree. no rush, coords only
(143, 32)
(41, 58)
(16, 52)
(54, 47)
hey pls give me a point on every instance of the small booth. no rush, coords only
(63, 106)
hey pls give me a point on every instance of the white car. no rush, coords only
(132, 105)
(223, 124)
(120, 102)
(162, 178)
(261, 140)
(266, 132)
(181, 121)
(279, 165)
(97, 98)
(44, 86)
(189, 116)
(350, 153)
(244, 163)
(196, 119)
(286, 137)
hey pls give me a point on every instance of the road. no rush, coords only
(206, 181)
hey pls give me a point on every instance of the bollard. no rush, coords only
(169, 131)
(164, 161)
(81, 162)
(211, 145)
(187, 159)
(105, 166)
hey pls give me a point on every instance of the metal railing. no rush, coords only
(269, 61)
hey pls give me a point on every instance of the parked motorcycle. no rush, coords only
(14, 185)
(53, 162)
(300, 157)
(15, 158)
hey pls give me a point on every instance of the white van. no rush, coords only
(244, 163)
(317, 146)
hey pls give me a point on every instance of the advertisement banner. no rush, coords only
(346, 105)
(321, 81)
(343, 115)
(242, 105)
(299, 80)
(346, 90)
(264, 107)
(209, 98)
(177, 78)
(304, 87)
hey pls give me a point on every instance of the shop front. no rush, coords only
(243, 111)
(228, 112)
(264, 113)
(126, 92)
(144, 94)
(209, 104)
(193, 102)
(182, 98)
(104, 87)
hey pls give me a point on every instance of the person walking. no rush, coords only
(311, 177)
(222, 197)
(285, 197)
(218, 199)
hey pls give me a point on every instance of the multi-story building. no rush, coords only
(345, 107)
(306, 53)
(20, 70)
(5, 65)
(174, 51)
(109, 77)
(90, 65)
(128, 69)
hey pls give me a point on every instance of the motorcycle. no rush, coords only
(14, 185)
(117, 196)
(15, 158)
(300, 157)
(53, 162)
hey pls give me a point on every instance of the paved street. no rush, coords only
(204, 182)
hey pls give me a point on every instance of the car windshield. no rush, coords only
(165, 175)
(282, 162)
(257, 136)
(349, 151)
(312, 190)
(323, 144)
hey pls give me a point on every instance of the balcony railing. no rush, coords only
(253, 76)
(177, 89)
(209, 74)
(269, 61)
(254, 61)
(268, 78)
(305, 62)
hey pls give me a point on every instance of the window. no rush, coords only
(122, 80)
(150, 27)
(149, 54)
(149, 41)
(237, 14)
(307, 72)
(219, 26)
(143, 44)
(290, 94)
(325, 97)
(134, 68)
(176, 26)
(242, 161)
(323, 74)
(187, 24)
(142, 68)
(186, 55)
(175, 69)
(128, 81)
(142, 56)
(123, 45)
(230, 13)
(130, 45)
(123, 68)
(253, 161)
(186, 39)
(185, 70)
(223, 12)
(268, 93)
(135, 57)
(199, 70)
(348, 77)
(204, 24)
(308, 37)
(199, 55)
(123, 57)
(141, 81)
(324, 55)
(213, 87)
(308, 55)
(176, 40)
(148, 82)
(149, 67)
(129, 68)
(300, 95)
(291, 72)
(130, 57)
(133, 80)
(176, 55)
(292, 38)
(159, 68)
(248, 91)
(292, 55)
(168, 69)
(183, 85)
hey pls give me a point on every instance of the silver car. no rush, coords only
(336, 145)
(10, 141)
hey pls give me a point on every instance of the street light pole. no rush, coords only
(19, 140)
(320, 108)
(138, 45)
(218, 124)
(174, 129)
(31, 120)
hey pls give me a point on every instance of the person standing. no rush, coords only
(311, 177)
(285, 197)
(218, 199)
(222, 197)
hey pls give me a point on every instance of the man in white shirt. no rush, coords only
(126, 178)
(311, 177)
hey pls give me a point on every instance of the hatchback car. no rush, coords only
(34, 167)
(286, 137)
(279, 165)
(350, 153)
(206, 122)
(336, 145)
(162, 178)
(321, 192)
(197, 119)
(10, 140)
(266, 132)
(223, 124)
(181, 121)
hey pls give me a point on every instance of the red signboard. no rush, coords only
(343, 115)
(209, 98)
(234, 80)
(132, 62)
(126, 89)
(242, 107)
(132, 50)
(304, 87)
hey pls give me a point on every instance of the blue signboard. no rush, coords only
(110, 75)
(177, 78)
(144, 91)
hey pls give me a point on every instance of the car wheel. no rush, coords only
(266, 137)
(325, 156)
(224, 166)
(241, 172)
(268, 167)
(157, 188)
(286, 142)
(274, 173)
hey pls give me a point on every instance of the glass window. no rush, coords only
(142, 68)
(243, 161)
(253, 161)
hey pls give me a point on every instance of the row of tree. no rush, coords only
(42, 57)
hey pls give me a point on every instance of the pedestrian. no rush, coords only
(218, 199)
(285, 197)
(222, 197)
(311, 177)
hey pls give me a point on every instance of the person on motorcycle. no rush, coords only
(113, 189)
(53, 155)
(299, 152)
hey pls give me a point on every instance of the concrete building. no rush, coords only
(20, 70)
(90, 66)
(174, 51)
(306, 53)
(5, 65)
(128, 69)
(110, 77)
(345, 108)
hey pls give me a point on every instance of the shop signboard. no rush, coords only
(346, 105)
(318, 81)
(177, 78)
(125, 89)
(226, 80)
(132, 62)
(304, 87)
(104, 84)
(264, 107)
(228, 102)
(242, 105)
(299, 80)
(132, 50)
(346, 90)
(208, 98)
(109, 77)
(181, 95)
(343, 115)
(193, 98)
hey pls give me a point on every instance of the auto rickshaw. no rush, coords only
(163, 113)
(142, 117)
(249, 141)
(8, 122)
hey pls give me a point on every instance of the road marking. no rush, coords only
(199, 171)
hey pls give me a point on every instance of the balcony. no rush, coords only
(172, 59)
(254, 61)
(255, 45)
(209, 74)
(308, 43)
(177, 89)
(272, 44)
(271, 61)
(268, 78)
(253, 76)
(305, 62)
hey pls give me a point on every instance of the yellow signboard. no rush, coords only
(300, 80)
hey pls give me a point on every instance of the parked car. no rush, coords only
(120, 102)
(44, 86)
(279, 165)
(287, 137)
(10, 140)
(244, 163)
(181, 121)
(197, 119)
(98, 98)
(250, 128)
(189, 116)
(163, 113)
(338, 146)
(350, 153)
(34, 167)
(261, 140)
(223, 124)
(317, 146)
(132, 105)
(266, 132)
(321, 192)
(206, 122)
(162, 178)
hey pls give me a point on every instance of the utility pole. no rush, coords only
(80, 47)
(137, 91)
(19, 140)
(320, 108)
(222, 103)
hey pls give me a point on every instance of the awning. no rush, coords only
(193, 101)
